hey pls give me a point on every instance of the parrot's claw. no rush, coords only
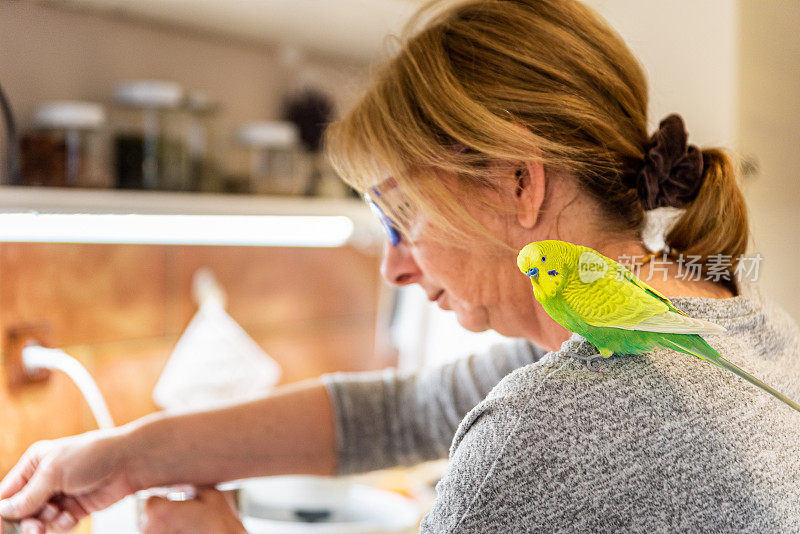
(590, 361)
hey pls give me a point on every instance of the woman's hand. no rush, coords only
(57, 483)
(210, 512)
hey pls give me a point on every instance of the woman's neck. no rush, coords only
(667, 274)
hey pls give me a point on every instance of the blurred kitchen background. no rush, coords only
(211, 107)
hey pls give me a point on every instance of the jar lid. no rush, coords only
(69, 115)
(149, 94)
(274, 134)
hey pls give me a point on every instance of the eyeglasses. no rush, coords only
(386, 221)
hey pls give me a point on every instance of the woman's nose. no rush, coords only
(398, 266)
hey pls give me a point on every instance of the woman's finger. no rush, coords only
(19, 475)
(48, 513)
(64, 522)
(31, 526)
(73, 511)
(31, 498)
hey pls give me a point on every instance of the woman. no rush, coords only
(502, 123)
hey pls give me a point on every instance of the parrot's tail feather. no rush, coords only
(697, 346)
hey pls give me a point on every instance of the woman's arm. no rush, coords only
(354, 422)
(385, 419)
(291, 431)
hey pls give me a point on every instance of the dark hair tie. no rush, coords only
(673, 171)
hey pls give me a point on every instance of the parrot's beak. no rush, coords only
(533, 273)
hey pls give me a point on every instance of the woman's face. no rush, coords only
(477, 289)
(480, 283)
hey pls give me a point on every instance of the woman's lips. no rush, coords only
(440, 300)
(433, 297)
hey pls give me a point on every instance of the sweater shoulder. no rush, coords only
(555, 444)
(517, 391)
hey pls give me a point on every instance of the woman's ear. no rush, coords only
(529, 194)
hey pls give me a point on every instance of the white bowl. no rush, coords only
(310, 505)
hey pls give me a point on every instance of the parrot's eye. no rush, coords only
(544, 258)
(553, 272)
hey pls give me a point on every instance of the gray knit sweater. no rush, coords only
(660, 442)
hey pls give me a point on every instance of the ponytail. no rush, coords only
(715, 222)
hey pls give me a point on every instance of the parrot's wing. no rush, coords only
(620, 300)
(637, 282)
(674, 323)
(612, 300)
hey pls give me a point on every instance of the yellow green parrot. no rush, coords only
(602, 301)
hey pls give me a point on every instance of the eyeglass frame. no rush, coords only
(388, 224)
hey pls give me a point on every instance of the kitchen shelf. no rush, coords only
(16, 199)
(46, 200)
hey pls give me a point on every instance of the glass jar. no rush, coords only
(201, 145)
(66, 147)
(269, 151)
(149, 144)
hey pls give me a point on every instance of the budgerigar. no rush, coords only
(602, 301)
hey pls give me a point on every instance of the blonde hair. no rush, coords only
(519, 81)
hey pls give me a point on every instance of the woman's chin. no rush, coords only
(474, 322)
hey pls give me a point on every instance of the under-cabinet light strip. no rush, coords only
(234, 230)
